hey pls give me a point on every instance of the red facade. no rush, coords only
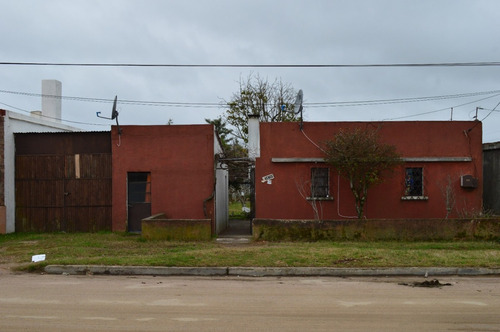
(441, 154)
(168, 169)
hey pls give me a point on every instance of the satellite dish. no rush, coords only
(114, 115)
(114, 112)
(297, 108)
(298, 102)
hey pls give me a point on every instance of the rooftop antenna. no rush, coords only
(114, 115)
(297, 108)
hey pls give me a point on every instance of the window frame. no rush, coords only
(407, 196)
(142, 183)
(325, 185)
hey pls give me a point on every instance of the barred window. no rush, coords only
(414, 184)
(320, 182)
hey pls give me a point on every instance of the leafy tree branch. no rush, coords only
(360, 158)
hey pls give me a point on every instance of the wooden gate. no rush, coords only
(64, 190)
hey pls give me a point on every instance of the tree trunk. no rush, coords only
(359, 199)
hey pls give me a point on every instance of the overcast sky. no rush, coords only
(256, 32)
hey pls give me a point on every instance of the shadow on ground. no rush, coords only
(238, 227)
(239, 231)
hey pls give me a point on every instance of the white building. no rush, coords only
(11, 123)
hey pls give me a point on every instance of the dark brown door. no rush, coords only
(139, 199)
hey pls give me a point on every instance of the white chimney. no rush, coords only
(51, 99)
(253, 137)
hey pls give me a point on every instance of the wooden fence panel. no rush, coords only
(70, 193)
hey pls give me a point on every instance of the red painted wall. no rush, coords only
(282, 198)
(181, 162)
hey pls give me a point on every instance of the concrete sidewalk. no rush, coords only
(267, 271)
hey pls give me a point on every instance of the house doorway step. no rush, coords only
(238, 231)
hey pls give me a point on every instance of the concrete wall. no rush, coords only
(491, 167)
(3, 210)
(377, 230)
(221, 192)
(17, 123)
(253, 137)
(158, 227)
(445, 150)
(181, 162)
(221, 200)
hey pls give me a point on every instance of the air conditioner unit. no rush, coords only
(468, 181)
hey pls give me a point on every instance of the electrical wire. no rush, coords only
(495, 93)
(441, 109)
(400, 100)
(125, 102)
(310, 140)
(53, 118)
(219, 105)
(373, 65)
(493, 110)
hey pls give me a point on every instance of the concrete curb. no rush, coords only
(267, 271)
(346, 272)
(136, 270)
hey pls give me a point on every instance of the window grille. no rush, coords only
(320, 182)
(414, 184)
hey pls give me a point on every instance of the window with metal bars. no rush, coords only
(414, 181)
(320, 180)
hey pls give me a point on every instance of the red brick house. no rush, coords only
(167, 169)
(441, 176)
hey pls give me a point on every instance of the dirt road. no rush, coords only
(108, 303)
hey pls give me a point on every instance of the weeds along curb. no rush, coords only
(266, 271)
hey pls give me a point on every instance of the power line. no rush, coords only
(53, 118)
(493, 110)
(400, 100)
(219, 105)
(444, 109)
(105, 100)
(495, 93)
(373, 65)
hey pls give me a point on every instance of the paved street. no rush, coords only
(30, 302)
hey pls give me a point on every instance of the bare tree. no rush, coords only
(258, 96)
(304, 187)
